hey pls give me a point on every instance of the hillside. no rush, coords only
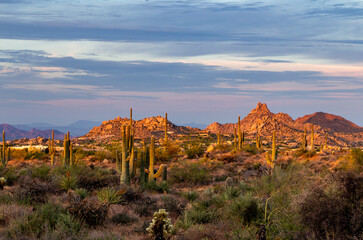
(261, 120)
(143, 128)
(330, 122)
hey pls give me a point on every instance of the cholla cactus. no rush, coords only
(160, 227)
(2, 182)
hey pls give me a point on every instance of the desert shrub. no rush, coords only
(89, 211)
(299, 152)
(36, 154)
(81, 192)
(145, 207)
(48, 220)
(32, 191)
(245, 208)
(68, 182)
(109, 196)
(353, 161)
(104, 154)
(123, 219)
(230, 192)
(167, 152)
(41, 172)
(190, 195)
(194, 150)
(192, 173)
(131, 196)
(94, 179)
(9, 174)
(5, 198)
(335, 213)
(251, 148)
(229, 157)
(159, 187)
(79, 153)
(172, 205)
(201, 214)
(19, 154)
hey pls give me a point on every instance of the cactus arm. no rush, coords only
(158, 173)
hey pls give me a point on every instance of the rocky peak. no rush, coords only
(261, 109)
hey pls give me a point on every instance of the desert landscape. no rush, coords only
(266, 176)
(181, 120)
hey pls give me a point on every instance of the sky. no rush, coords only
(200, 61)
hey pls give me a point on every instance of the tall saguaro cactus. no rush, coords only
(161, 170)
(52, 149)
(326, 142)
(5, 158)
(166, 128)
(219, 138)
(303, 139)
(239, 134)
(271, 159)
(258, 141)
(67, 150)
(127, 154)
(312, 147)
(235, 139)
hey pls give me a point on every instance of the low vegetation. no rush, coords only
(206, 192)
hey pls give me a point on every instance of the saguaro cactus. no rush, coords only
(5, 158)
(166, 128)
(219, 138)
(303, 139)
(326, 142)
(66, 150)
(239, 134)
(153, 175)
(312, 147)
(127, 154)
(52, 149)
(271, 160)
(235, 139)
(258, 141)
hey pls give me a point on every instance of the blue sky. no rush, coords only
(200, 61)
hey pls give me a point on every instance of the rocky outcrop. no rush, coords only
(143, 128)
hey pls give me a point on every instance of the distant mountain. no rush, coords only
(76, 129)
(143, 128)
(332, 122)
(261, 120)
(14, 133)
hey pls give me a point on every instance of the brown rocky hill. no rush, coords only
(330, 122)
(147, 127)
(261, 120)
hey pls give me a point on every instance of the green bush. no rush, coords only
(35, 155)
(123, 219)
(191, 173)
(48, 220)
(190, 195)
(41, 172)
(194, 150)
(89, 211)
(251, 148)
(109, 196)
(171, 152)
(157, 187)
(68, 182)
(245, 208)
